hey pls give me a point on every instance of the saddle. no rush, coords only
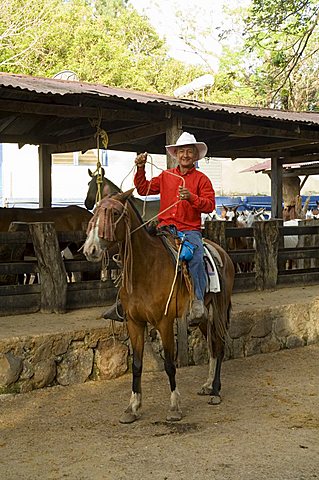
(212, 259)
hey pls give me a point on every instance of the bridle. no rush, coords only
(103, 218)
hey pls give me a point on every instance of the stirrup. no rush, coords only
(198, 314)
(115, 312)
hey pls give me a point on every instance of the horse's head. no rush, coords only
(107, 188)
(110, 224)
(93, 188)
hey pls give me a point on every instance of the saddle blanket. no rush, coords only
(213, 283)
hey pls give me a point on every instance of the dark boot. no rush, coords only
(114, 312)
(198, 313)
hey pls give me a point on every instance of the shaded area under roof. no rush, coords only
(59, 114)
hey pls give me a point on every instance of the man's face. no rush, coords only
(186, 155)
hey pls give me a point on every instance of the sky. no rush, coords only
(208, 14)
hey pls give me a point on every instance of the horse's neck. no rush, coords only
(111, 186)
(143, 247)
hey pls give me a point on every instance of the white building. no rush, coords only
(19, 175)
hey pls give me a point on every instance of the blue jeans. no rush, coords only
(196, 265)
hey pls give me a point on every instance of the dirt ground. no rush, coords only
(267, 426)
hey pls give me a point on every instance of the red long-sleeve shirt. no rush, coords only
(185, 214)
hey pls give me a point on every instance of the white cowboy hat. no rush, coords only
(188, 139)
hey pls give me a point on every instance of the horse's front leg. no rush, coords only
(167, 336)
(136, 333)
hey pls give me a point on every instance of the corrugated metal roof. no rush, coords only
(266, 165)
(64, 87)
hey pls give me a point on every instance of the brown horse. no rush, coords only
(147, 286)
(66, 219)
(148, 209)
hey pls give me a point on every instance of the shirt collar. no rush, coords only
(188, 171)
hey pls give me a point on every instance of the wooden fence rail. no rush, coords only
(53, 293)
(266, 255)
(269, 255)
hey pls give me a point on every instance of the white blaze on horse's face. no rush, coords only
(92, 247)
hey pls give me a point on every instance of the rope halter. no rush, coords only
(104, 218)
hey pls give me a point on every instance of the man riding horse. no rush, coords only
(185, 193)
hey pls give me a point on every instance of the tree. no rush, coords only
(103, 42)
(283, 35)
(22, 30)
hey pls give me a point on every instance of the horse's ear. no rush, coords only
(103, 172)
(126, 195)
(90, 173)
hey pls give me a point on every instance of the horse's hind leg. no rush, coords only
(212, 385)
(136, 332)
(167, 336)
(216, 385)
(207, 388)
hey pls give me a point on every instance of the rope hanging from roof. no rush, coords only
(99, 134)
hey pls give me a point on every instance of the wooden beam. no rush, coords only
(76, 111)
(116, 139)
(303, 182)
(240, 125)
(7, 122)
(137, 133)
(45, 172)
(173, 131)
(293, 172)
(295, 157)
(276, 187)
(251, 144)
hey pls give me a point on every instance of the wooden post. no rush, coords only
(308, 241)
(51, 268)
(267, 241)
(215, 231)
(172, 133)
(276, 187)
(45, 182)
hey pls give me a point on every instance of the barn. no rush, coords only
(63, 116)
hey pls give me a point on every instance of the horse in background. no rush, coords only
(150, 294)
(147, 209)
(65, 219)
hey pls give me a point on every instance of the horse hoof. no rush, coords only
(205, 391)
(215, 400)
(128, 417)
(174, 416)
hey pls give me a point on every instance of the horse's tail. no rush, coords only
(218, 320)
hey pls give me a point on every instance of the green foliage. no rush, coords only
(104, 41)
(284, 35)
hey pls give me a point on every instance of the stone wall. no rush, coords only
(31, 362)
(27, 363)
(270, 329)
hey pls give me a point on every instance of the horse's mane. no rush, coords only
(130, 201)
